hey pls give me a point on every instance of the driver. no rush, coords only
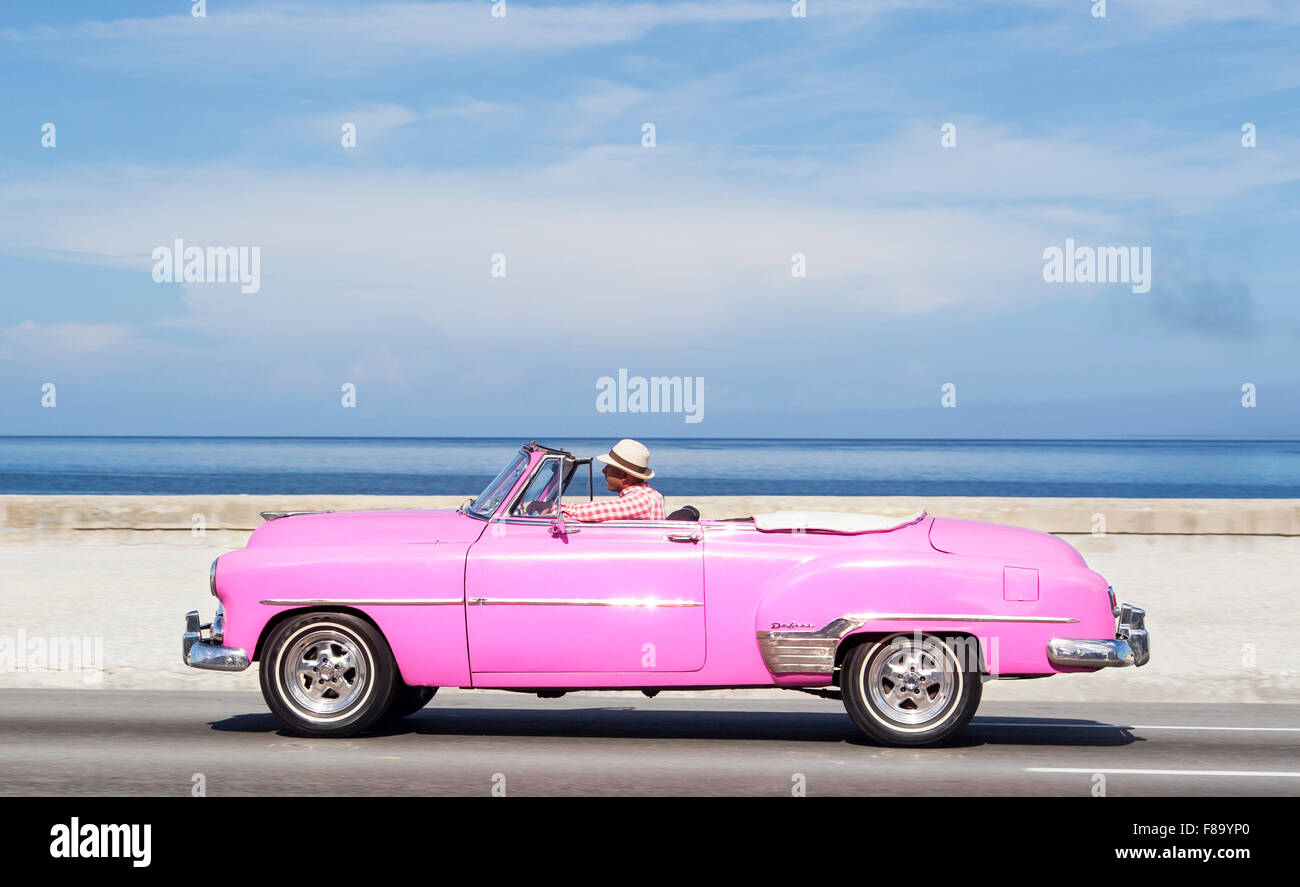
(627, 472)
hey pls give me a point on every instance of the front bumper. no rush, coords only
(1130, 646)
(207, 652)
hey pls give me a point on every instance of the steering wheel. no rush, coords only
(536, 506)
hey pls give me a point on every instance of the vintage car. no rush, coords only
(359, 617)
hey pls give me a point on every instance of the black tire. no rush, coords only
(346, 698)
(407, 700)
(929, 706)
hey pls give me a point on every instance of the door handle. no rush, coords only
(683, 537)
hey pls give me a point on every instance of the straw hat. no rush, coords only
(630, 456)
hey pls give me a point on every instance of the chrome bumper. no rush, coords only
(206, 652)
(1130, 646)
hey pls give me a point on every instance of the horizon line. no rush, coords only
(495, 437)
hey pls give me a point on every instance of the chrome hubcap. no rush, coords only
(326, 672)
(913, 682)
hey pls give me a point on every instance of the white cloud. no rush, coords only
(601, 103)
(60, 339)
(464, 106)
(994, 163)
(694, 238)
(1177, 12)
(337, 36)
(609, 99)
(379, 365)
(537, 25)
(374, 122)
(1158, 13)
(421, 28)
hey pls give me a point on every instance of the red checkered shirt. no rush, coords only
(638, 502)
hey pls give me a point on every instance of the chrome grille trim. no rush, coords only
(791, 655)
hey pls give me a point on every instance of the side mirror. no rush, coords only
(558, 528)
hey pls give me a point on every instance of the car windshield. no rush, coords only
(490, 499)
(540, 492)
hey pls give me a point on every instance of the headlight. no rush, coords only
(212, 578)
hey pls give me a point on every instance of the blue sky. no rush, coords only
(775, 135)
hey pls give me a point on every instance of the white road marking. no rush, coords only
(1162, 772)
(1132, 727)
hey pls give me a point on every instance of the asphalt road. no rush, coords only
(119, 742)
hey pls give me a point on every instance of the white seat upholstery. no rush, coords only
(832, 521)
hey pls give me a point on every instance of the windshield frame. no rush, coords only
(518, 468)
(569, 466)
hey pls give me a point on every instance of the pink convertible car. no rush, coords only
(358, 617)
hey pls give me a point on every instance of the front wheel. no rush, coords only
(407, 700)
(911, 689)
(327, 674)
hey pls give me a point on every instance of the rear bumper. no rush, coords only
(198, 651)
(1130, 646)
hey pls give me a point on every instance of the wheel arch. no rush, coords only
(275, 621)
(974, 654)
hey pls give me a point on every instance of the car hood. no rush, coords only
(368, 527)
(1014, 545)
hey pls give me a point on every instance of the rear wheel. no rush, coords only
(911, 689)
(327, 674)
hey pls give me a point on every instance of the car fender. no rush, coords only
(413, 593)
(845, 596)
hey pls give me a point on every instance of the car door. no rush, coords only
(618, 596)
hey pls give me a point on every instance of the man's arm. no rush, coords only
(622, 508)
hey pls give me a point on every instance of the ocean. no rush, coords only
(462, 466)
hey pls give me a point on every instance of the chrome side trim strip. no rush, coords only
(813, 652)
(955, 617)
(519, 602)
(583, 602)
(367, 602)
